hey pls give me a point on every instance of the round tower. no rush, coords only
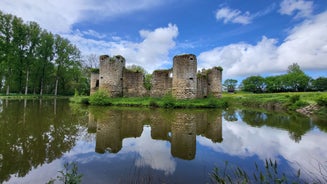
(184, 76)
(215, 82)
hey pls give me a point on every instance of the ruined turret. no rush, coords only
(111, 75)
(214, 82)
(184, 76)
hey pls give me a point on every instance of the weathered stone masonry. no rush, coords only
(182, 81)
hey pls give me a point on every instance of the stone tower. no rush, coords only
(214, 82)
(184, 76)
(111, 75)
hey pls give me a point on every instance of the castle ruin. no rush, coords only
(182, 81)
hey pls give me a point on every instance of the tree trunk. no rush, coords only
(56, 87)
(26, 85)
(8, 90)
(41, 87)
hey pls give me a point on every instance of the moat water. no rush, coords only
(142, 145)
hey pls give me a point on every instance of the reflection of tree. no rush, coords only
(34, 135)
(230, 115)
(296, 125)
(321, 122)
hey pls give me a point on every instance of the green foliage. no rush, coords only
(147, 81)
(254, 84)
(100, 97)
(79, 99)
(153, 103)
(219, 68)
(294, 98)
(294, 68)
(269, 174)
(295, 80)
(230, 84)
(34, 60)
(95, 70)
(322, 100)
(168, 101)
(69, 175)
(136, 68)
(320, 84)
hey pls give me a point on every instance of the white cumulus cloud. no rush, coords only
(306, 45)
(151, 53)
(300, 8)
(234, 16)
(59, 16)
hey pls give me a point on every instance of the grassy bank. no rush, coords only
(270, 101)
(29, 96)
(166, 102)
(286, 101)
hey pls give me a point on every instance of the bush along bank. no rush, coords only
(307, 103)
(102, 98)
(269, 101)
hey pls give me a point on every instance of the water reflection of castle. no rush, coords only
(180, 127)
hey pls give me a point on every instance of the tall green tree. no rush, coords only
(255, 84)
(6, 51)
(67, 65)
(46, 55)
(296, 79)
(20, 50)
(230, 84)
(274, 84)
(320, 84)
(34, 32)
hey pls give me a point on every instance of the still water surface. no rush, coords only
(141, 145)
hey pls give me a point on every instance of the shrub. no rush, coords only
(168, 101)
(100, 98)
(269, 174)
(69, 175)
(322, 100)
(153, 103)
(295, 98)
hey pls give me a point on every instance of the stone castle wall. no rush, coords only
(161, 83)
(184, 76)
(182, 81)
(133, 84)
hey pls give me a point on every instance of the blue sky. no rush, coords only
(256, 37)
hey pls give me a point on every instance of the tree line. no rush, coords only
(35, 61)
(295, 80)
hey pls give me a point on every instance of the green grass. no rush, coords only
(271, 101)
(165, 102)
(17, 96)
(286, 101)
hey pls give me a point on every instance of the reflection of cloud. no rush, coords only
(265, 142)
(153, 153)
(41, 174)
